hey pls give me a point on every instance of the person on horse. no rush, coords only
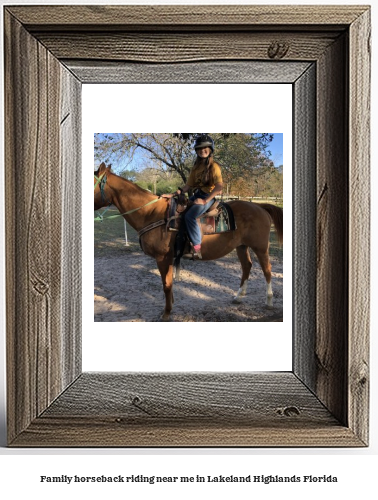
(206, 180)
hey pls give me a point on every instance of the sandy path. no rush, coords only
(128, 288)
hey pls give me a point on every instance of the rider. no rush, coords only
(206, 179)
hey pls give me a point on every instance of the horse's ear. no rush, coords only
(102, 166)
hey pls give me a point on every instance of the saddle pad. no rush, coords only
(223, 222)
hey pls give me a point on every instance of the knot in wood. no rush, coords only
(289, 411)
(142, 405)
(278, 50)
(136, 400)
(138, 403)
(41, 287)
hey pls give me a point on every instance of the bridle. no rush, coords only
(98, 179)
(102, 181)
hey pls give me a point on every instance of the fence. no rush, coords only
(255, 199)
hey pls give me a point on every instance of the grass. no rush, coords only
(272, 202)
(109, 238)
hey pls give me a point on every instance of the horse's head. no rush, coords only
(102, 195)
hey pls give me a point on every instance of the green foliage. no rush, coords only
(161, 187)
(130, 174)
(162, 162)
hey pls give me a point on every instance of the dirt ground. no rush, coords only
(128, 288)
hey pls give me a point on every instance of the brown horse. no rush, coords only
(142, 209)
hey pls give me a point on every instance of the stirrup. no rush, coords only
(197, 255)
(192, 256)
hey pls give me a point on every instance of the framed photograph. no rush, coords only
(127, 283)
(324, 53)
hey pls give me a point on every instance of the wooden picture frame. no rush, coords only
(324, 52)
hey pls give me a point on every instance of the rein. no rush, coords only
(129, 212)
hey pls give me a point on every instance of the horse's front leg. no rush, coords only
(165, 266)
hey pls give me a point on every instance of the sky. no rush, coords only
(276, 148)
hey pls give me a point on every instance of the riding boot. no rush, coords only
(195, 254)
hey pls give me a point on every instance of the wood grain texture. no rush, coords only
(206, 396)
(71, 172)
(359, 226)
(324, 402)
(332, 230)
(100, 432)
(32, 204)
(181, 47)
(203, 72)
(196, 409)
(35, 244)
(184, 16)
(304, 255)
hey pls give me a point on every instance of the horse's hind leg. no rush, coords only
(246, 263)
(166, 271)
(266, 267)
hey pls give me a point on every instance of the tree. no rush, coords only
(130, 175)
(241, 155)
(157, 181)
(160, 151)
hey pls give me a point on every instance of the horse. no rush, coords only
(146, 213)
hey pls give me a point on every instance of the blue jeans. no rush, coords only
(192, 214)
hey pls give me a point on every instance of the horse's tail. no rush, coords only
(276, 214)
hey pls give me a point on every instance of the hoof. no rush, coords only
(176, 275)
(269, 302)
(237, 300)
(165, 318)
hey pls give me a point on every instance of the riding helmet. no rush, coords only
(204, 141)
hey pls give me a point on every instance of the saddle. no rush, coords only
(219, 218)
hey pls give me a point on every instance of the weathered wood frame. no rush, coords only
(49, 53)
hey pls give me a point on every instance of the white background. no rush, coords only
(355, 468)
(222, 347)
